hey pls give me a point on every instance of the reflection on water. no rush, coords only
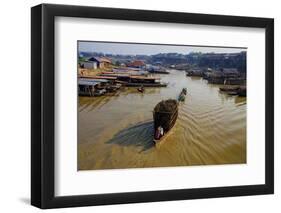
(116, 131)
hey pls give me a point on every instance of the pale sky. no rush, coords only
(148, 49)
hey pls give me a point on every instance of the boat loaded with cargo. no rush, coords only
(165, 115)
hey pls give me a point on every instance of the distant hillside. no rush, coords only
(196, 59)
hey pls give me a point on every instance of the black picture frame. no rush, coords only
(43, 102)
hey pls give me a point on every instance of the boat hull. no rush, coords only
(160, 141)
(166, 120)
(145, 84)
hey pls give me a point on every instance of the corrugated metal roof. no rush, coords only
(87, 83)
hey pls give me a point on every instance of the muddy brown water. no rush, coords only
(116, 131)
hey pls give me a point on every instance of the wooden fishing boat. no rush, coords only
(229, 88)
(128, 84)
(235, 90)
(165, 115)
(184, 91)
(159, 72)
(182, 95)
(242, 91)
(141, 89)
(232, 92)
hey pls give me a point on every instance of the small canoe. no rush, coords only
(184, 91)
(181, 98)
(141, 90)
(182, 95)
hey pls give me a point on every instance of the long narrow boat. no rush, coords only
(141, 89)
(165, 115)
(229, 88)
(159, 72)
(235, 90)
(242, 91)
(128, 84)
(232, 92)
(182, 95)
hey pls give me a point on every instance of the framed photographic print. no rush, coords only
(139, 106)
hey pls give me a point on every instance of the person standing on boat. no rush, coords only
(157, 133)
(161, 131)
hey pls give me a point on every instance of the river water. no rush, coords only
(117, 131)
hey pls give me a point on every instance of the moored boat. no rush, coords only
(235, 90)
(181, 98)
(165, 114)
(141, 89)
(128, 84)
(232, 92)
(242, 91)
(159, 71)
(184, 91)
(229, 88)
(99, 92)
